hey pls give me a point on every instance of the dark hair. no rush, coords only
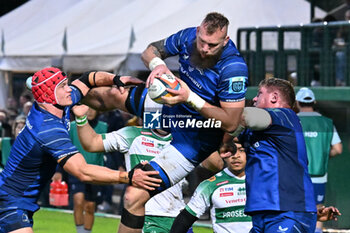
(229, 146)
(284, 87)
(214, 21)
(302, 104)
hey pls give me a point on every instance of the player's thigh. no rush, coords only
(174, 164)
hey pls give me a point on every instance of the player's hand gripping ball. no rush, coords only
(159, 86)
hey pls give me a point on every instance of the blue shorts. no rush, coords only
(14, 219)
(284, 222)
(320, 191)
(91, 192)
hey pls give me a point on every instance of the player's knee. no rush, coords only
(135, 198)
(132, 221)
(89, 208)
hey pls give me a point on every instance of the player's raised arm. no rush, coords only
(153, 57)
(92, 79)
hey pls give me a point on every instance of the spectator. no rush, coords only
(6, 142)
(5, 127)
(322, 141)
(23, 99)
(340, 43)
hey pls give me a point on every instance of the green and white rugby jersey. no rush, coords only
(225, 195)
(139, 144)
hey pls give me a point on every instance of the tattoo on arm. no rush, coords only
(159, 49)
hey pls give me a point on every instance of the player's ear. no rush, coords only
(226, 40)
(274, 97)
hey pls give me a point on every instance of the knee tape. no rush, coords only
(132, 221)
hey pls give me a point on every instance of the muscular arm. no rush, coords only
(101, 79)
(77, 166)
(152, 58)
(229, 113)
(100, 93)
(155, 49)
(89, 139)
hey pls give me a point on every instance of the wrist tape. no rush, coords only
(156, 61)
(81, 120)
(195, 101)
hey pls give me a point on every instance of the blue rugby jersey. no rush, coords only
(226, 81)
(33, 157)
(277, 176)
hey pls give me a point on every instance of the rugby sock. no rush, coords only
(80, 228)
(87, 231)
(318, 230)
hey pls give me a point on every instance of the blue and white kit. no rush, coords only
(225, 82)
(34, 155)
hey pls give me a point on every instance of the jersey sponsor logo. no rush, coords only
(146, 133)
(231, 214)
(160, 146)
(226, 194)
(241, 191)
(211, 179)
(257, 144)
(310, 134)
(149, 144)
(226, 189)
(237, 85)
(221, 183)
(234, 214)
(185, 72)
(236, 201)
(153, 151)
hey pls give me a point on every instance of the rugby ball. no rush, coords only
(158, 88)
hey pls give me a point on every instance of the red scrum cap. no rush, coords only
(44, 83)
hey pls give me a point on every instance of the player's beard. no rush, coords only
(207, 62)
